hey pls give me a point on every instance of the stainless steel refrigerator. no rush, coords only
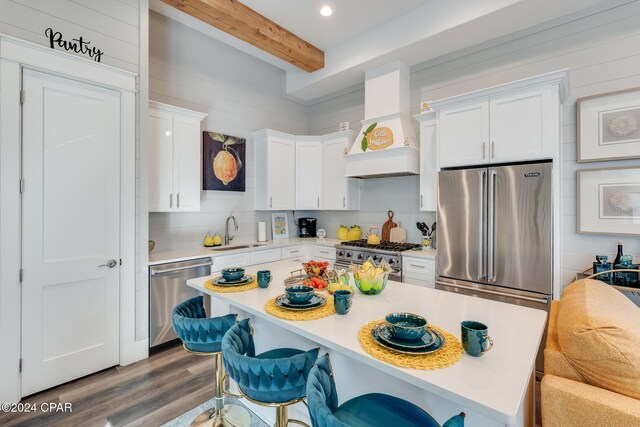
(495, 228)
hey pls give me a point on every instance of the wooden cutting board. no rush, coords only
(387, 226)
(398, 234)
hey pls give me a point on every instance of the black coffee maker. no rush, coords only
(307, 227)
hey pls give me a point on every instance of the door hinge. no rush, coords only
(22, 96)
(20, 365)
(21, 275)
(21, 186)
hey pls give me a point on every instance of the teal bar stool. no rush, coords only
(276, 378)
(368, 410)
(202, 335)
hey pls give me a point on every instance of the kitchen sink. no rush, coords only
(230, 248)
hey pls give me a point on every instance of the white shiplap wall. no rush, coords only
(378, 196)
(111, 26)
(118, 28)
(602, 52)
(240, 94)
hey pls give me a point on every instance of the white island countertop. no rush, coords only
(493, 385)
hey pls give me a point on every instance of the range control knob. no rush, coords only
(392, 261)
(376, 258)
(360, 256)
(349, 254)
(341, 253)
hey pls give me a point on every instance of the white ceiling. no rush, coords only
(362, 34)
(350, 17)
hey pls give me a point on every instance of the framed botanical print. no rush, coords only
(223, 160)
(609, 201)
(279, 225)
(608, 126)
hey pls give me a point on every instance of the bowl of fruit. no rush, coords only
(315, 282)
(315, 268)
(338, 281)
(371, 278)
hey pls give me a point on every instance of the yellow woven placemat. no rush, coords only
(230, 289)
(449, 354)
(317, 313)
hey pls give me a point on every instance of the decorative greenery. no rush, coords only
(366, 132)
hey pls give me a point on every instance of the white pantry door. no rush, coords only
(71, 227)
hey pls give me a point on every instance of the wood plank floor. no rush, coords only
(148, 393)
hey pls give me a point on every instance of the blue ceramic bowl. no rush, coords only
(299, 294)
(233, 273)
(406, 326)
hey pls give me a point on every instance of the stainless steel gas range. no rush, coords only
(357, 252)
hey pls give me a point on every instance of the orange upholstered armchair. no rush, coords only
(592, 359)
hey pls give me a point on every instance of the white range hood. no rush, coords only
(389, 147)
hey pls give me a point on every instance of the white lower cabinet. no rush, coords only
(228, 261)
(324, 253)
(265, 256)
(295, 253)
(419, 271)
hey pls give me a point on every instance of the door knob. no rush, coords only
(111, 263)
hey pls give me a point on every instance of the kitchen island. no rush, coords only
(493, 390)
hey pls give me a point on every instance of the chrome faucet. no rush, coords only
(227, 239)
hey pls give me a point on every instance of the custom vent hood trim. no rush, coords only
(386, 105)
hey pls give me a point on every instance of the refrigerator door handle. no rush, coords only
(541, 300)
(481, 204)
(491, 227)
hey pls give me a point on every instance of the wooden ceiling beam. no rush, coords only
(242, 22)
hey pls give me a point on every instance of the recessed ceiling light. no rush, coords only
(326, 11)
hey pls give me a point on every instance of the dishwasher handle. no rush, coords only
(186, 267)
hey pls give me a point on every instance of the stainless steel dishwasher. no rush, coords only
(167, 288)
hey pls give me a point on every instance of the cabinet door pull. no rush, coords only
(417, 266)
(484, 150)
(344, 202)
(171, 201)
(270, 202)
(178, 201)
(421, 198)
(493, 149)
(318, 202)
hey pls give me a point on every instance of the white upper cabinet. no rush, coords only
(186, 163)
(428, 200)
(174, 158)
(519, 121)
(523, 125)
(275, 157)
(338, 192)
(309, 163)
(303, 172)
(463, 134)
(160, 160)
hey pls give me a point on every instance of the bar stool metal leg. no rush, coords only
(222, 415)
(282, 416)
